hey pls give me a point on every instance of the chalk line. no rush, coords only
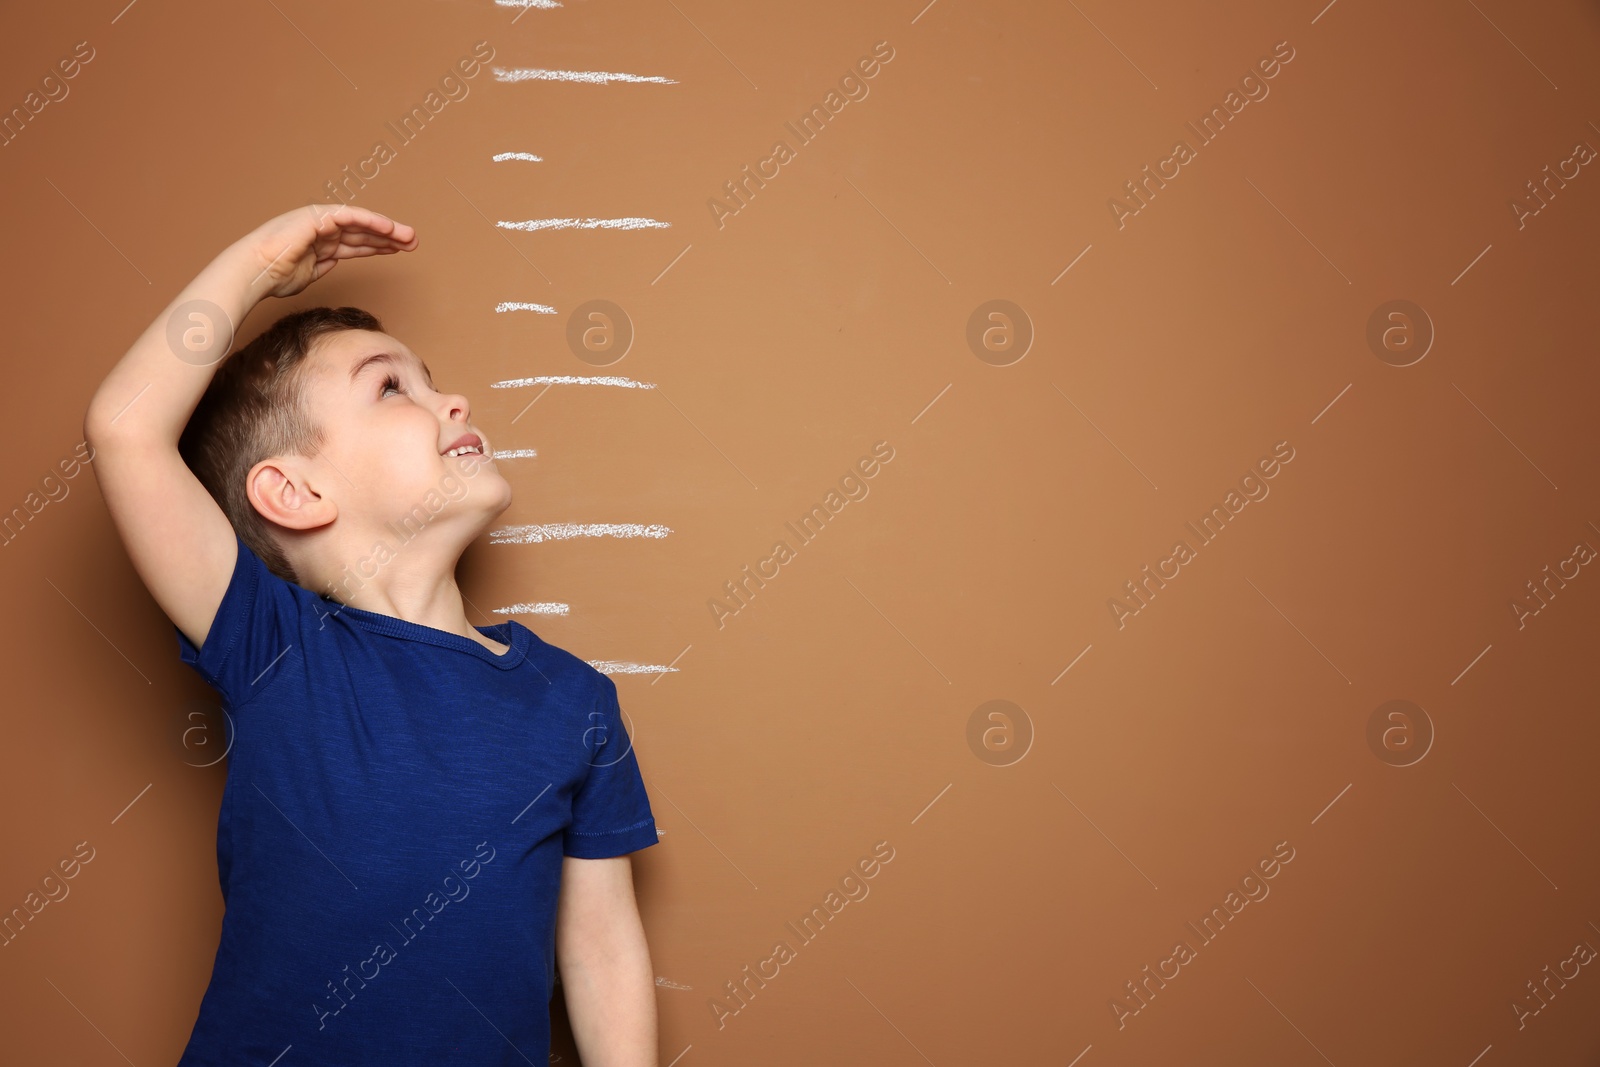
(593, 77)
(572, 379)
(613, 666)
(586, 224)
(515, 305)
(543, 607)
(501, 157)
(561, 531)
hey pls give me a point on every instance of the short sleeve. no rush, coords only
(252, 634)
(611, 813)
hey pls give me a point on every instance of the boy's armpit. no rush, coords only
(176, 536)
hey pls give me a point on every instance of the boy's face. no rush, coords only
(386, 431)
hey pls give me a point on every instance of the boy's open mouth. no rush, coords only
(467, 444)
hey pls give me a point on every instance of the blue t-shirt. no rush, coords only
(398, 803)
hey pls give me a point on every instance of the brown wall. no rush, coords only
(1243, 708)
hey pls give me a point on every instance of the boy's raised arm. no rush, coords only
(177, 537)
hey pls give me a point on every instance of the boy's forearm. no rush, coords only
(611, 1002)
(154, 388)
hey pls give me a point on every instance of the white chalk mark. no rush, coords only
(124, 11)
(1324, 11)
(931, 803)
(541, 607)
(572, 379)
(501, 157)
(542, 5)
(563, 531)
(1502, 833)
(1468, 667)
(517, 305)
(514, 453)
(669, 984)
(1080, 1056)
(930, 404)
(1474, 263)
(1332, 402)
(1480, 1055)
(923, 12)
(593, 77)
(1069, 666)
(1331, 803)
(679, 1056)
(529, 225)
(1069, 266)
(616, 666)
(132, 802)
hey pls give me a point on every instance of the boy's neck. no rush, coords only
(414, 583)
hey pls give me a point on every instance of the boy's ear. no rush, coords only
(280, 490)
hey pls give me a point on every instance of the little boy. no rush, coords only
(421, 816)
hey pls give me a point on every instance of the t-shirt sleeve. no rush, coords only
(252, 635)
(611, 813)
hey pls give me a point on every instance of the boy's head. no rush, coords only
(325, 417)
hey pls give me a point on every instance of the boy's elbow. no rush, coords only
(103, 421)
(98, 420)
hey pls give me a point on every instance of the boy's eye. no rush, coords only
(391, 382)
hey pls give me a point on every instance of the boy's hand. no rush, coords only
(177, 536)
(300, 246)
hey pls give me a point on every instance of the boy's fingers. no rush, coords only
(358, 237)
(355, 252)
(348, 215)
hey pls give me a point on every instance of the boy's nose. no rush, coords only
(456, 407)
